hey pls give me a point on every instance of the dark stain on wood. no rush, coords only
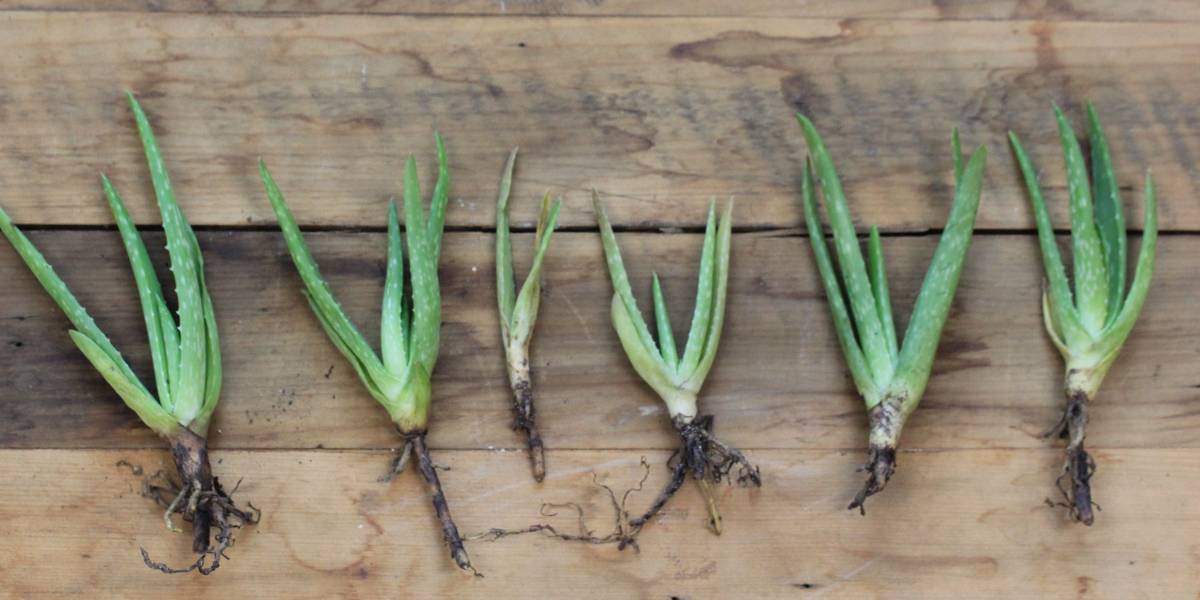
(742, 49)
(1047, 54)
(426, 69)
(802, 94)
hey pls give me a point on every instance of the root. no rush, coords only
(1074, 483)
(525, 418)
(707, 459)
(881, 464)
(710, 461)
(416, 441)
(399, 464)
(679, 474)
(622, 528)
(208, 505)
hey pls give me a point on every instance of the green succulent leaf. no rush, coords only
(505, 287)
(1118, 331)
(702, 311)
(186, 354)
(1090, 339)
(941, 280)
(60, 293)
(1091, 280)
(130, 390)
(645, 359)
(879, 289)
(393, 336)
(213, 370)
(1109, 218)
(908, 365)
(518, 312)
(149, 293)
(411, 323)
(187, 393)
(850, 260)
(337, 324)
(694, 379)
(855, 361)
(170, 341)
(677, 381)
(662, 319)
(620, 282)
(525, 311)
(1065, 318)
(423, 248)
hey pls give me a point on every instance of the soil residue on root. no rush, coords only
(886, 420)
(525, 419)
(881, 465)
(1074, 483)
(202, 500)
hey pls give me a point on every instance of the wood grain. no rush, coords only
(667, 113)
(662, 105)
(951, 525)
(1077, 10)
(779, 381)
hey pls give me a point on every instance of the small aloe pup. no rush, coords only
(1090, 326)
(678, 378)
(185, 351)
(890, 376)
(518, 312)
(411, 324)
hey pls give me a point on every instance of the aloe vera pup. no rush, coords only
(1090, 325)
(399, 376)
(186, 354)
(518, 312)
(677, 377)
(889, 374)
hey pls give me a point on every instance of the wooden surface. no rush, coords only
(662, 106)
(664, 113)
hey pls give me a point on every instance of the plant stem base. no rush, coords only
(524, 418)
(886, 421)
(1075, 480)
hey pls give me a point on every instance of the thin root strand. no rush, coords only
(701, 454)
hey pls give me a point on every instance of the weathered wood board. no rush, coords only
(962, 524)
(1077, 10)
(664, 113)
(662, 106)
(780, 381)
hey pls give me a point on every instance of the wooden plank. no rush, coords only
(668, 113)
(1093, 10)
(951, 525)
(779, 381)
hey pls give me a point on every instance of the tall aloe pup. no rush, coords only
(518, 312)
(1090, 326)
(185, 351)
(411, 323)
(678, 378)
(890, 376)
